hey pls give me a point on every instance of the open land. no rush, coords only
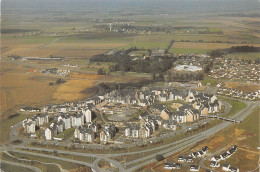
(78, 35)
(245, 135)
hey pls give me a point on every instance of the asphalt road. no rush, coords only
(173, 147)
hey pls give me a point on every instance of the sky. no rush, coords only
(169, 6)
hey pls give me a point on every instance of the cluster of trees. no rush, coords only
(183, 77)
(244, 49)
(156, 65)
(216, 53)
(208, 67)
(101, 71)
(14, 115)
(118, 56)
(124, 62)
(58, 81)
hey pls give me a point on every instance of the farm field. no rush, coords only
(19, 86)
(81, 45)
(245, 56)
(243, 86)
(189, 47)
(82, 85)
(73, 89)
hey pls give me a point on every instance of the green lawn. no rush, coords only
(66, 133)
(43, 167)
(236, 106)
(62, 155)
(207, 79)
(13, 168)
(64, 164)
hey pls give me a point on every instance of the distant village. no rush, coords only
(79, 116)
(236, 70)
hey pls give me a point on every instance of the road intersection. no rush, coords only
(166, 150)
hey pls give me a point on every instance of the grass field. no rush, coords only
(7, 123)
(246, 56)
(11, 168)
(66, 133)
(148, 45)
(72, 90)
(64, 164)
(236, 106)
(194, 47)
(245, 135)
(83, 45)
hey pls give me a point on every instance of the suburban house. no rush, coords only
(172, 165)
(166, 114)
(226, 167)
(194, 168)
(214, 164)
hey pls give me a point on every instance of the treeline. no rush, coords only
(183, 77)
(169, 47)
(121, 86)
(118, 56)
(244, 49)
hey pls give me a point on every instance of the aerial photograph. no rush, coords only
(130, 85)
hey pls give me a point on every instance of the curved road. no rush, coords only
(134, 164)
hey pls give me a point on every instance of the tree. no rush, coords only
(149, 52)
(159, 157)
(59, 81)
(216, 53)
(101, 71)
(153, 76)
(161, 77)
